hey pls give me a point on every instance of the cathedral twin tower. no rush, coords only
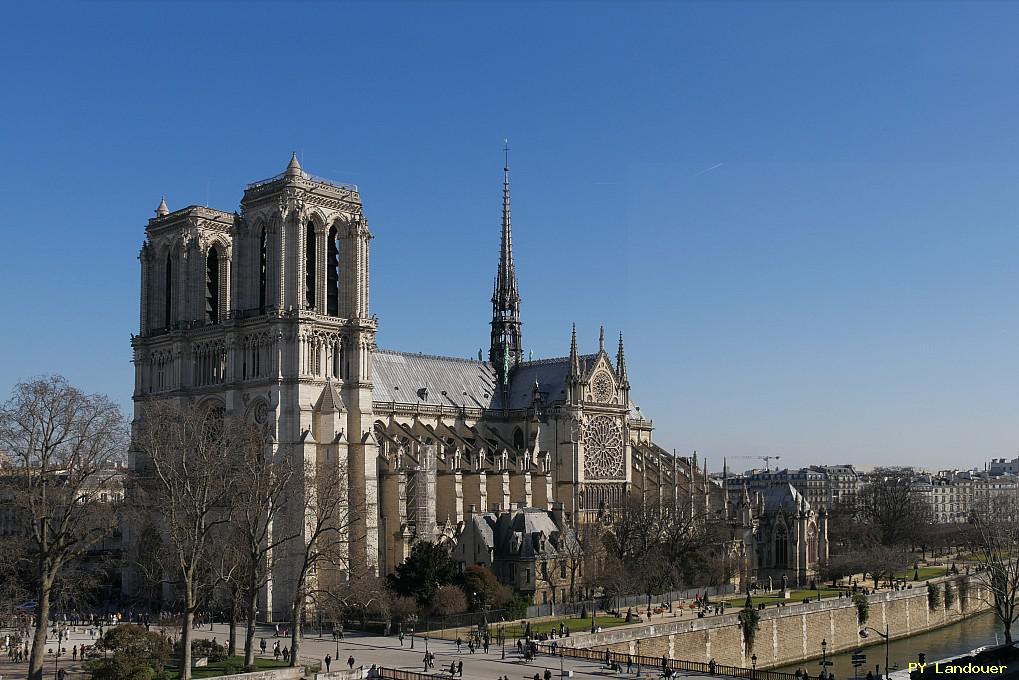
(265, 314)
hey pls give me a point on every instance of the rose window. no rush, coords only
(602, 387)
(603, 448)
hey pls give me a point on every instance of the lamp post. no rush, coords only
(753, 662)
(824, 656)
(561, 672)
(887, 638)
(638, 657)
(411, 620)
(56, 657)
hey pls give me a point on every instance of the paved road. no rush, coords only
(382, 651)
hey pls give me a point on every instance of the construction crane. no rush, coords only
(767, 460)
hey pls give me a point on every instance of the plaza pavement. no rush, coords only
(370, 649)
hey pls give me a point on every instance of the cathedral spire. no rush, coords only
(574, 356)
(601, 338)
(506, 336)
(162, 209)
(621, 361)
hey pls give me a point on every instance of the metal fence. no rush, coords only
(397, 674)
(622, 602)
(624, 660)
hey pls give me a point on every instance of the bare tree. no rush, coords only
(186, 468)
(893, 514)
(264, 478)
(62, 444)
(996, 537)
(325, 529)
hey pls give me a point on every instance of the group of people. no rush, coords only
(802, 674)
(474, 641)
(276, 651)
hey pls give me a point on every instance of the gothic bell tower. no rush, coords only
(507, 349)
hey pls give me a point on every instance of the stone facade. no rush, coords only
(265, 313)
(777, 537)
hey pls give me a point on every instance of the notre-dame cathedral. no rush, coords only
(266, 314)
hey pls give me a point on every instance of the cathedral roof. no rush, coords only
(410, 378)
(783, 497)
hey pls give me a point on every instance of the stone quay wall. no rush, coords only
(794, 633)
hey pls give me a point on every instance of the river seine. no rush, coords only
(937, 644)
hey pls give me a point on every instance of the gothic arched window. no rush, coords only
(781, 547)
(262, 273)
(309, 266)
(168, 292)
(333, 274)
(518, 439)
(212, 286)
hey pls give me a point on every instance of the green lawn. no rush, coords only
(575, 625)
(219, 668)
(925, 573)
(795, 597)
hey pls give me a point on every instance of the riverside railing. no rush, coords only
(607, 658)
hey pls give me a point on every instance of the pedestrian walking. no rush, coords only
(460, 669)
(286, 654)
(401, 638)
(350, 661)
(460, 642)
(262, 646)
(328, 660)
(425, 661)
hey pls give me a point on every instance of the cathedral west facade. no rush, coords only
(265, 313)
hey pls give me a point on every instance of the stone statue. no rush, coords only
(785, 582)
(770, 585)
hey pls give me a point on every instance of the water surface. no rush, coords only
(958, 638)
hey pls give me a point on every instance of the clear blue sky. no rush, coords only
(804, 216)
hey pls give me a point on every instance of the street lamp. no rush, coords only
(638, 657)
(562, 674)
(863, 634)
(824, 656)
(753, 661)
(411, 620)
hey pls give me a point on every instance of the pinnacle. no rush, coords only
(162, 209)
(294, 168)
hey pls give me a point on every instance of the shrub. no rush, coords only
(933, 596)
(137, 654)
(516, 606)
(749, 622)
(862, 608)
(210, 648)
(949, 596)
(963, 592)
(449, 600)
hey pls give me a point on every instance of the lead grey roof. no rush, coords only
(783, 497)
(409, 378)
(400, 377)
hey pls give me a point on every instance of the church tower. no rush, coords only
(507, 345)
(264, 314)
